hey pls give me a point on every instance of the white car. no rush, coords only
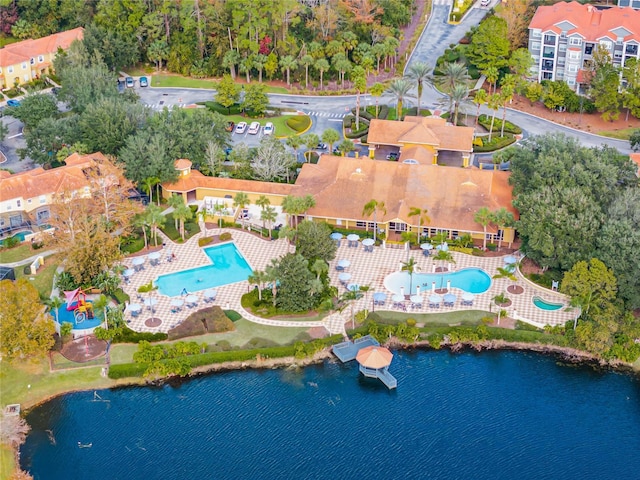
(254, 128)
(484, 3)
(268, 128)
(241, 127)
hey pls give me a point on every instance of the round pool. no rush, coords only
(544, 305)
(471, 280)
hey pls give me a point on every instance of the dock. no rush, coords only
(347, 351)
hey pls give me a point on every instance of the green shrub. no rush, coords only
(120, 296)
(485, 121)
(124, 370)
(129, 336)
(526, 326)
(492, 246)
(383, 112)
(225, 236)
(411, 322)
(496, 143)
(365, 113)
(299, 123)
(11, 242)
(216, 107)
(359, 134)
(468, 251)
(258, 342)
(204, 241)
(348, 121)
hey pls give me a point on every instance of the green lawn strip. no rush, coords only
(280, 123)
(187, 82)
(622, 134)
(16, 254)
(140, 71)
(15, 378)
(6, 462)
(43, 279)
(467, 317)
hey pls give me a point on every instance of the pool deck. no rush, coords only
(367, 268)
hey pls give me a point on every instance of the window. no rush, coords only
(29, 201)
(32, 61)
(549, 39)
(18, 203)
(571, 81)
(43, 199)
(575, 41)
(547, 76)
(548, 52)
(536, 34)
(365, 224)
(574, 55)
(605, 44)
(24, 65)
(10, 70)
(572, 68)
(562, 47)
(40, 58)
(398, 227)
(535, 45)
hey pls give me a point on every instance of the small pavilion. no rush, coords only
(374, 363)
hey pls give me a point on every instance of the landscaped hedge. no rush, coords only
(232, 315)
(124, 370)
(207, 320)
(299, 123)
(496, 143)
(129, 336)
(485, 121)
(216, 107)
(364, 113)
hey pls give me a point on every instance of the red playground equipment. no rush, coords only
(77, 302)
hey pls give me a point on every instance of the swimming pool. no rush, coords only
(65, 315)
(472, 280)
(20, 235)
(228, 266)
(544, 305)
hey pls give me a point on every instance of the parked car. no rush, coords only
(254, 128)
(230, 126)
(484, 3)
(144, 82)
(129, 82)
(55, 91)
(241, 127)
(337, 151)
(321, 146)
(393, 156)
(269, 128)
(13, 103)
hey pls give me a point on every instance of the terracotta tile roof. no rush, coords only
(421, 131)
(196, 180)
(592, 24)
(635, 157)
(420, 154)
(342, 186)
(37, 182)
(182, 164)
(26, 50)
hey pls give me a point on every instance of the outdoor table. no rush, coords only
(138, 263)
(177, 303)
(510, 260)
(368, 244)
(379, 298)
(449, 300)
(467, 298)
(444, 247)
(128, 273)
(434, 301)
(191, 300)
(353, 287)
(135, 309)
(416, 298)
(344, 277)
(352, 238)
(337, 236)
(154, 257)
(209, 294)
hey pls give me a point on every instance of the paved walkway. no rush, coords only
(367, 268)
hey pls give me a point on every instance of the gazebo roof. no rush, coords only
(374, 357)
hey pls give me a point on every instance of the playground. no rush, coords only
(78, 311)
(84, 349)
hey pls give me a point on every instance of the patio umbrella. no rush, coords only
(450, 298)
(353, 287)
(154, 255)
(344, 263)
(150, 302)
(435, 299)
(177, 302)
(468, 297)
(368, 242)
(210, 293)
(138, 261)
(510, 259)
(344, 277)
(379, 296)
(416, 299)
(374, 357)
(191, 299)
(134, 307)
(336, 236)
(426, 246)
(128, 273)
(352, 237)
(398, 298)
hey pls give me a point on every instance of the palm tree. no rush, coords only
(372, 206)
(294, 142)
(218, 210)
(376, 91)
(55, 303)
(444, 256)
(400, 88)
(288, 234)
(240, 201)
(202, 217)
(174, 202)
(306, 61)
(322, 65)
(268, 215)
(291, 206)
(359, 78)
(306, 203)
(493, 103)
(155, 220)
(484, 217)
(503, 218)
(147, 187)
(258, 62)
(273, 275)
(348, 298)
(140, 221)
(506, 272)
(480, 98)
(319, 267)
(287, 63)
(258, 278)
(458, 96)
(421, 213)
(330, 137)
(506, 95)
(310, 140)
(410, 266)
(420, 73)
(101, 303)
(492, 74)
(182, 213)
(453, 74)
(366, 289)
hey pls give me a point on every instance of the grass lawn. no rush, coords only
(140, 70)
(6, 462)
(623, 134)
(4, 41)
(468, 317)
(15, 254)
(43, 280)
(188, 82)
(280, 123)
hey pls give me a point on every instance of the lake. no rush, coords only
(493, 415)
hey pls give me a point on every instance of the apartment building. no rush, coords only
(25, 61)
(563, 38)
(629, 3)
